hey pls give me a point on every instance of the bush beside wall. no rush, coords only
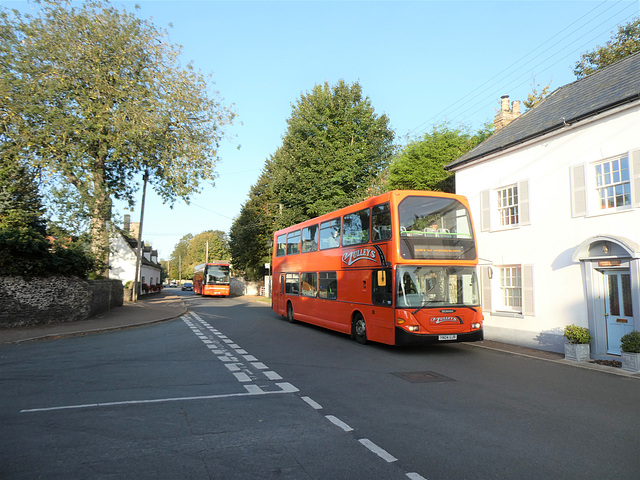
(57, 299)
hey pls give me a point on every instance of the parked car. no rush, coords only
(173, 284)
(187, 286)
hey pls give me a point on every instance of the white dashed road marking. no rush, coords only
(255, 377)
(377, 450)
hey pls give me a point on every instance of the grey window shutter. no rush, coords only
(527, 290)
(635, 177)
(523, 203)
(486, 288)
(485, 211)
(578, 191)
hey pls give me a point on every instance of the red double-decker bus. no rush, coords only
(397, 268)
(212, 279)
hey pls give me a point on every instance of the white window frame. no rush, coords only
(508, 206)
(493, 212)
(585, 190)
(510, 281)
(607, 186)
(494, 290)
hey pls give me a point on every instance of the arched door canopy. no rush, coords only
(606, 246)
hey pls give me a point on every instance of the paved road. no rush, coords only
(232, 391)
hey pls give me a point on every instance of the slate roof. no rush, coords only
(603, 90)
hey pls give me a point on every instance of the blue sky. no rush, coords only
(419, 62)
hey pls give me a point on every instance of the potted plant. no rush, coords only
(630, 346)
(578, 349)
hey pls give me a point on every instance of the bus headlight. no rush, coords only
(476, 326)
(413, 328)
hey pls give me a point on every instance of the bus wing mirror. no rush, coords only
(382, 278)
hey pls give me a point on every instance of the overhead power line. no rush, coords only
(484, 95)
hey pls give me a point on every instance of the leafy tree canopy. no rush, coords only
(334, 148)
(420, 165)
(192, 250)
(254, 227)
(624, 43)
(334, 151)
(93, 96)
(20, 203)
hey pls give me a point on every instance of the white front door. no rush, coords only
(618, 310)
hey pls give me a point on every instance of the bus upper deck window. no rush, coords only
(381, 222)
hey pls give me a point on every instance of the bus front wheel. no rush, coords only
(359, 329)
(290, 313)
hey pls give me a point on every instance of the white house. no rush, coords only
(122, 257)
(555, 196)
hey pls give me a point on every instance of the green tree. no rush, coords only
(254, 227)
(536, 96)
(20, 202)
(94, 96)
(178, 257)
(191, 250)
(334, 149)
(420, 165)
(624, 43)
(25, 248)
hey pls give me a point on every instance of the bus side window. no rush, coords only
(293, 242)
(327, 285)
(310, 239)
(382, 287)
(281, 242)
(309, 284)
(292, 284)
(355, 227)
(380, 222)
(330, 234)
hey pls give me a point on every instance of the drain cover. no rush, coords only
(422, 377)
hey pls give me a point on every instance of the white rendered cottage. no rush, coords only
(122, 258)
(555, 196)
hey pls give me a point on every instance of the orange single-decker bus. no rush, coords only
(397, 268)
(212, 279)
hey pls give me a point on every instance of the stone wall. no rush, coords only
(55, 299)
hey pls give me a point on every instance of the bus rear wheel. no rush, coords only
(290, 318)
(359, 329)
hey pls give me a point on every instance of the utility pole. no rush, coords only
(136, 281)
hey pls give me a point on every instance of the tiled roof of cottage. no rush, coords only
(603, 90)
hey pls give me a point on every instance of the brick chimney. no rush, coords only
(127, 223)
(506, 115)
(134, 229)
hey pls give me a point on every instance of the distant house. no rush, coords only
(122, 258)
(555, 195)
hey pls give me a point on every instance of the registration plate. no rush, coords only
(447, 337)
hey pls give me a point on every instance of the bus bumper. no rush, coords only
(405, 338)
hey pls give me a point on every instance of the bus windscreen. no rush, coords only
(217, 275)
(435, 228)
(433, 286)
